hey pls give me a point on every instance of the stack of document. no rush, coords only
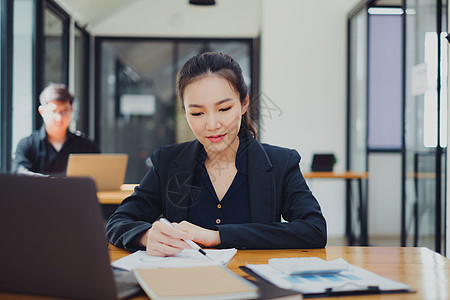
(316, 277)
(188, 275)
(186, 258)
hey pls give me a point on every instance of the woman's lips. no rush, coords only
(216, 138)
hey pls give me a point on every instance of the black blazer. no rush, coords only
(276, 189)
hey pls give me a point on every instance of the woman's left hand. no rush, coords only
(202, 236)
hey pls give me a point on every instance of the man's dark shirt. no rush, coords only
(35, 155)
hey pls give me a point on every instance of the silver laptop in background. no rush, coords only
(107, 169)
(53, 240)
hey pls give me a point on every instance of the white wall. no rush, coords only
(303, 71)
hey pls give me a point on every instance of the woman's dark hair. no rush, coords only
(217, 64)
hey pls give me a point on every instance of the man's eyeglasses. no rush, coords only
(63, 112)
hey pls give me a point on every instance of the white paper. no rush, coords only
(353, 279)
(186, 258)
(308, 265)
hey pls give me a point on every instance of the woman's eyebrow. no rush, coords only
(223, 101)
(216, 104)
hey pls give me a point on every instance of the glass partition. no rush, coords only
(55, 63)
(357, 119)
(356, 109)
(81, 81)
(385, 70)
(137, 101)
(137, 108)
(425, 123)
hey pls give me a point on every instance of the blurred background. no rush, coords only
(363, 80)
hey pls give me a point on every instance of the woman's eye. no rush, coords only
(225, 109)
(196, 114)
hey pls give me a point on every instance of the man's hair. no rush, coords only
(55, 92)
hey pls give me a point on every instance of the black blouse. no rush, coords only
(206, 210)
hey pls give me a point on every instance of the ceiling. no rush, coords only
(89, 12)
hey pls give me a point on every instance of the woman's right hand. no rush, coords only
(164, 240)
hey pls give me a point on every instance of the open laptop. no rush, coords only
(53, 240)
(107, 169)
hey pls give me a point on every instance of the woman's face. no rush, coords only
(214, 113)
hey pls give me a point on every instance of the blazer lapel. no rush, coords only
(179, 190)
(261, 183)
(180, 193)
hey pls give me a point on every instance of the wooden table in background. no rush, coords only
(425, 271)
(363, 203)
(110, 200)
(115, 197)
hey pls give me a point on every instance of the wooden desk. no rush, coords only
(115, 197)
(344, 175)
(362, 210)
(427, 272)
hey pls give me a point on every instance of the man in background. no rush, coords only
(46, 151)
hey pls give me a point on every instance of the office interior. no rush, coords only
(364, 80)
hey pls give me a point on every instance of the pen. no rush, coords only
(189, 242)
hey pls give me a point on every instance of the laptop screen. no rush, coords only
(107, 169)
(53, 239)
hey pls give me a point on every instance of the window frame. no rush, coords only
(39, 50)
(7, 7)
(85, 114)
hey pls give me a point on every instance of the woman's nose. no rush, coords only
(212, 122)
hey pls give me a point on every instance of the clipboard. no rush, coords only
(267, 290)
(346, 290)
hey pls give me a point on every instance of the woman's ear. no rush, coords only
(41, 109)
(245, 104)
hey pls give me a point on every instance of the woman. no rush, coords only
(224, 189)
